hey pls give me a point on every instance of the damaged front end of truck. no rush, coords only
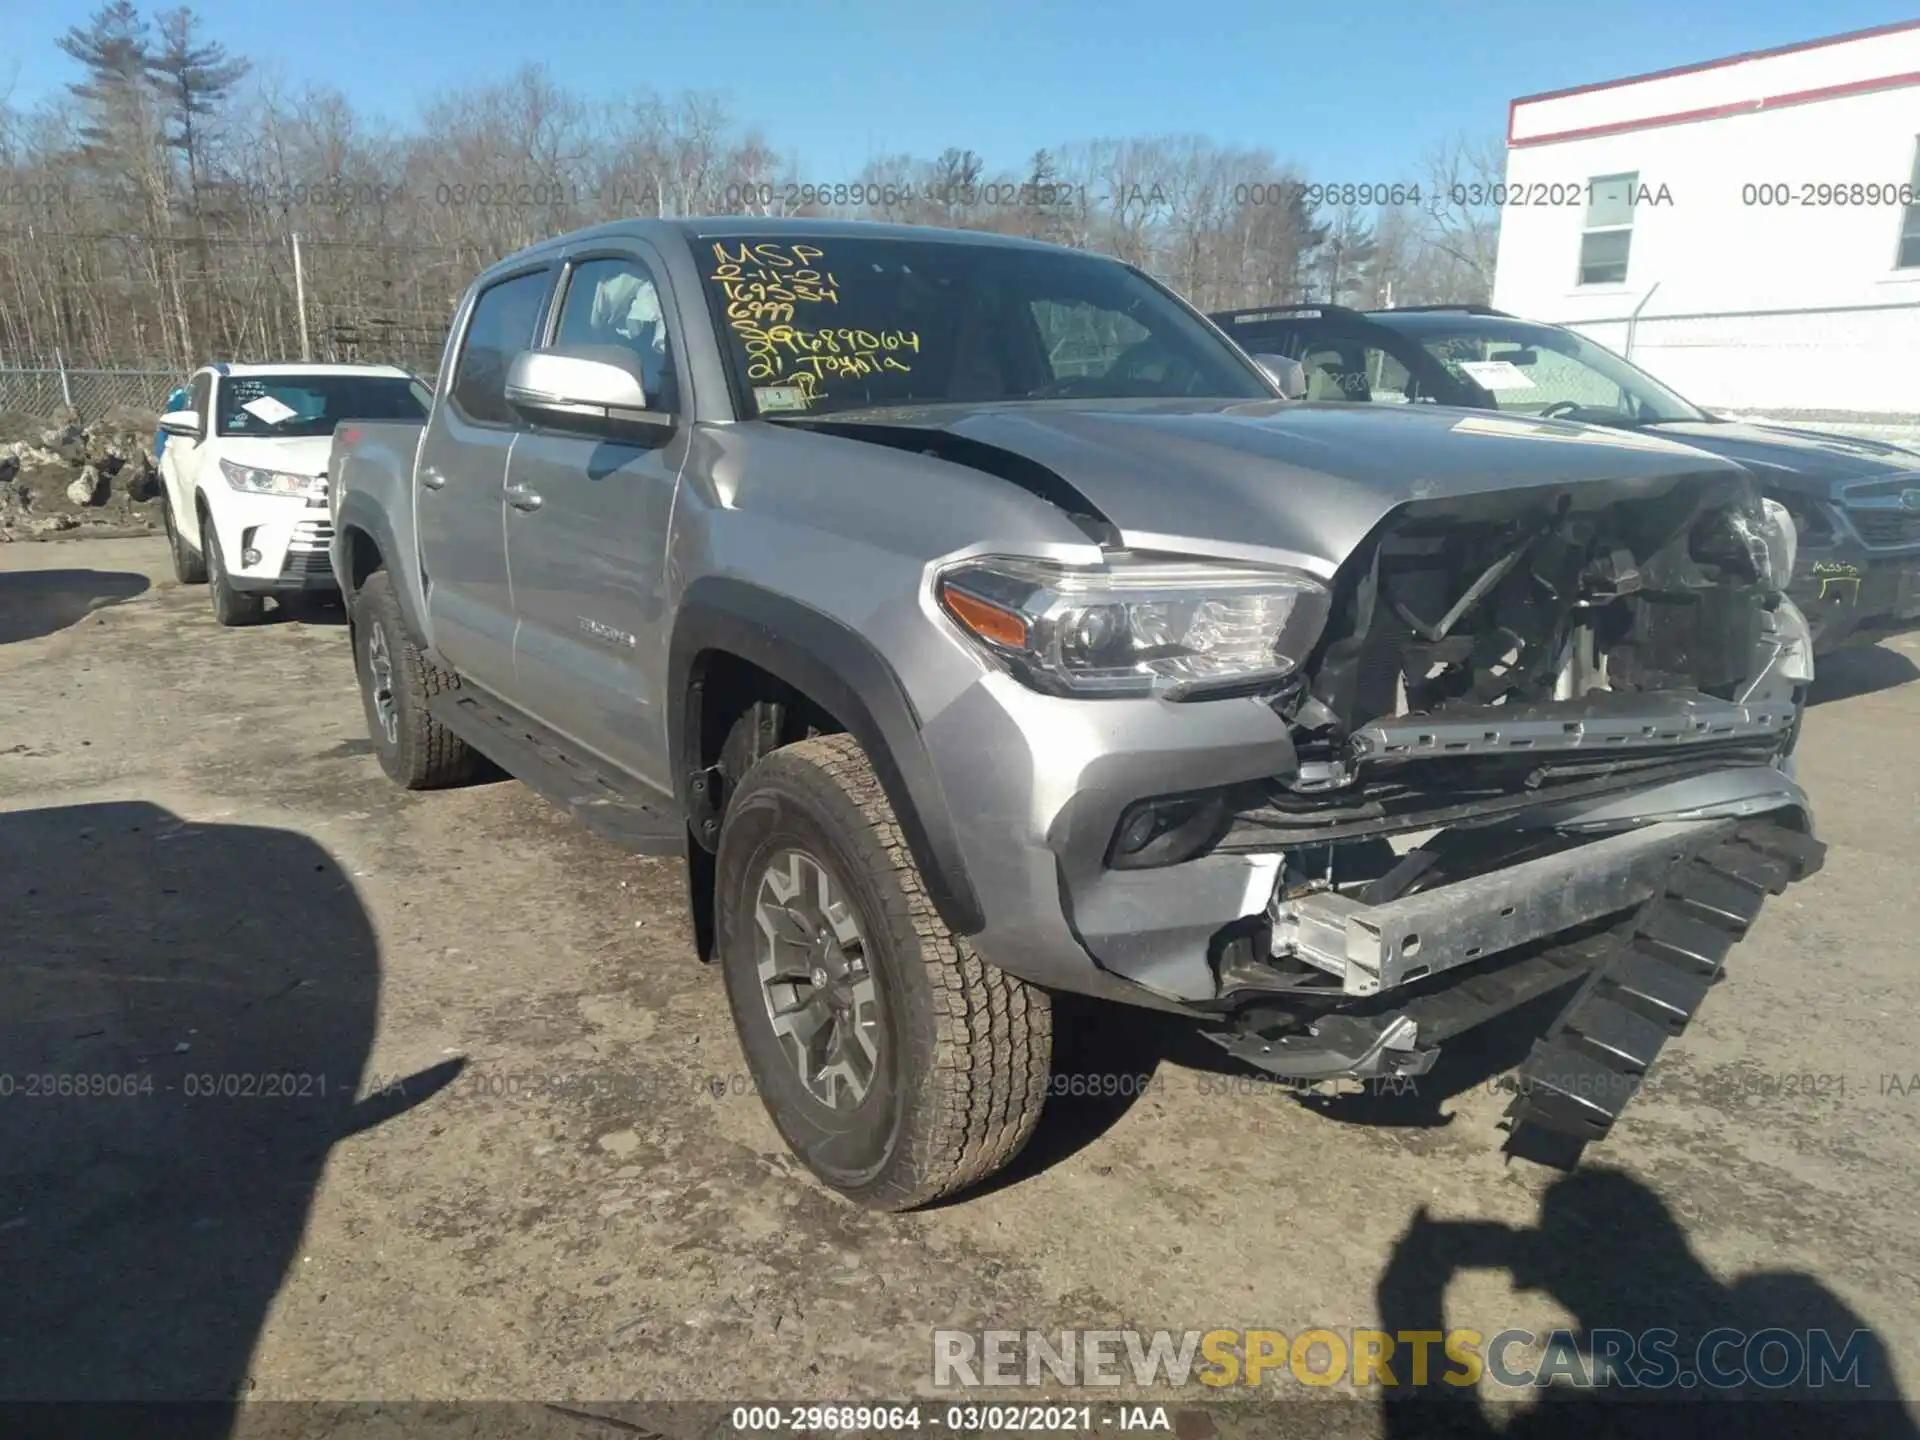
(1543, 745)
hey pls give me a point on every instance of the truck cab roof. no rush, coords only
(303, 367)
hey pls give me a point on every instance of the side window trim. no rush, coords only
(654, 267)
(544, 267)
(204, 407)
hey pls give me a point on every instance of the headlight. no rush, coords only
(274, 482)
(1781, 541)
(1139, 625)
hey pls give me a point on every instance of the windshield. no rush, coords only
(299, 406)
(817, 325)
(1553, 374)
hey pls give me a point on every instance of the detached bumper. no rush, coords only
(1370, 948)
(1693, 889)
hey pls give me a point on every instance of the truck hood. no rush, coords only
(1806, 462)
(1311, 481)
(296, 455)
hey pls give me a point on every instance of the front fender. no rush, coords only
(363, 521)
(841, 671)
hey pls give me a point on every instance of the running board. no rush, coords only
(618, 810)
(1591, 1061)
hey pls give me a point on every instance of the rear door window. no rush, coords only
(505, 317)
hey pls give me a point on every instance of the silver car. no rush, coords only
(982, 624)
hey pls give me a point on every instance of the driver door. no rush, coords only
(587, 522)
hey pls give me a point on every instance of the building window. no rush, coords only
(1609, 230)
(1909, 256)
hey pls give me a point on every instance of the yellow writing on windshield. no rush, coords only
(771, 289)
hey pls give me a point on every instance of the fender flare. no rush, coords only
(358, 511)
(840, 670)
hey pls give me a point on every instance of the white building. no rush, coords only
(1747, 229)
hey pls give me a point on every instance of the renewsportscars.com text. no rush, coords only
(1722, 1359)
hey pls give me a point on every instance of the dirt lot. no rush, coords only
(573, 1195)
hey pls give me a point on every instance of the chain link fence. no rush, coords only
(1842, 365)
(50, 393)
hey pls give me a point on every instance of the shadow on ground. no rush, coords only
(185, 1017)
(320, 608)
(1861, 670)
(38, 602)
(1107, 1056)
(1609, 1252)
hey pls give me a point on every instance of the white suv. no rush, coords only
(244, 472)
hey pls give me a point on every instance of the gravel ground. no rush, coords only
(490, 1138)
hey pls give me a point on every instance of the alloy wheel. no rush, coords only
(814, 977)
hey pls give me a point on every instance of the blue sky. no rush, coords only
(1355, 92)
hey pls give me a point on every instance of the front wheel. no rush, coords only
(188, 568)
(896, 1064)
(396, 681)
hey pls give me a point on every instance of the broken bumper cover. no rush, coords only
(1370, 948)
(1690, 890)
(1052, 784)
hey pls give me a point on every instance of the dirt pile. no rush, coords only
(60, 476)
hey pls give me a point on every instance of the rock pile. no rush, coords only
(63, 475)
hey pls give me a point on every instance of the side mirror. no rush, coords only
(1289, 376)
(598, 384)
(184, 423)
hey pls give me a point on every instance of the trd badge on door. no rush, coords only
(608, 633)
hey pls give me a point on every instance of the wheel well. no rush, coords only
(733, 700)
(730, 688)
(363, 556)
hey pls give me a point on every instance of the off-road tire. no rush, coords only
(421, 753)
(966, 1049)
(230, 606)
(188, 568)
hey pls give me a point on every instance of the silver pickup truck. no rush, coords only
(981, 624)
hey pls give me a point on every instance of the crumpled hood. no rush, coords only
(1806, 461)
(301, 455)
(1309, 480)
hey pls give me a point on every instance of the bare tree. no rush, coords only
(193, 172)
(1463, 176)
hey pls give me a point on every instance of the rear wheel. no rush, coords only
(230, 606)
(897, 1065)
(188, 568)
(396, 682)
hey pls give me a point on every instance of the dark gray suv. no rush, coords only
(1855, 502)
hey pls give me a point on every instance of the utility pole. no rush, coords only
(300, 298)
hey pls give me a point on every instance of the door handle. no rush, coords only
(522, 498)
(432, 478)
